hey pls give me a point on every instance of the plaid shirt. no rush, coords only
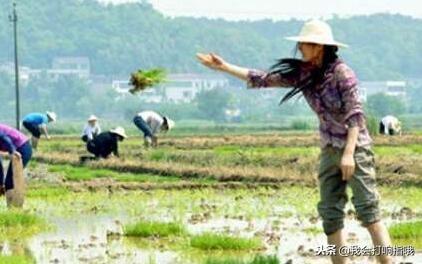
(335, 101)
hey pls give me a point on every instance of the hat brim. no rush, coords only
(170, 123)
(53, 118)
(315, 41)
(118, 133)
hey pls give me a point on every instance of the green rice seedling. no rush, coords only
(47, 192)
(153, 229)
(15, 260)
(409, 230)
(75, 173)
(313, 230)
(258, 259)
(210, 241)
(141, 79)
(19, 224)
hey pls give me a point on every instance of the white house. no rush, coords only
(392, 88)
(179, 88)
(76, 66)
(183, 88)
(61, 66)
(25, 73)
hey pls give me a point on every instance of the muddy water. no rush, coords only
(92, 237)
(89, 239)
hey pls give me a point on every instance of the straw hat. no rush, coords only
(52, 116)
(92, 118)
(170, 123)
(318, 32)
(119, 131)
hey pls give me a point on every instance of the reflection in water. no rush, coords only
(86, 241)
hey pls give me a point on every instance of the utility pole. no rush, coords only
(14, 18)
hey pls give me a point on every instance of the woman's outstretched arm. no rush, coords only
(254, 78)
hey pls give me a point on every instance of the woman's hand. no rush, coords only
(212, 61)
(347, 166)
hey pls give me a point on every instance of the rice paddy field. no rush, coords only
(223, 199)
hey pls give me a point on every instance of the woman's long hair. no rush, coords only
(290, 68)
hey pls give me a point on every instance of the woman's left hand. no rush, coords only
(347, 166)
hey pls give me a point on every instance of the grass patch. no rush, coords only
(209, 241)
(313, 230)
(47, 192)
(416, 243)
(300, 124)
(19, 224)
(156, 229)
(410, 230)
(15, 260)
(414, 149)
(403, 197)
(74, 173)
(285, 151)
(256, 260)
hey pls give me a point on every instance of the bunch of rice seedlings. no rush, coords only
(141, 79)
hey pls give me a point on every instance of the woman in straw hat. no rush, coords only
(91, 130)
(106, 143)
(330, 88)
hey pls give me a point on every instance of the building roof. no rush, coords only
(71, 60)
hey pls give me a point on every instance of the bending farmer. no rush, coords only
(106, 143)
(17, 145)
(390, 125)
(151, 123)
(36, 123)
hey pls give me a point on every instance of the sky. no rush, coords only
(281, 9)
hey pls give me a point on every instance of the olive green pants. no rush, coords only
(333, 196)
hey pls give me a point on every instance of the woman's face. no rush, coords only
(310, 52)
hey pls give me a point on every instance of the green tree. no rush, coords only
(212, 104)
(381, 104)
(415, 98)
(7, 93)
(121, 38)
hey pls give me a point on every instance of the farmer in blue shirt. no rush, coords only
(36, 123)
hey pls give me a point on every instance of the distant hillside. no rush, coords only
(121, 38)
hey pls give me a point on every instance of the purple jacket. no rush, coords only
(11, 139)
(335, 101)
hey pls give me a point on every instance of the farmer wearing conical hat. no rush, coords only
(36, 124)
(106, 143)
(151, 123)
(331, 89)
(91, 129)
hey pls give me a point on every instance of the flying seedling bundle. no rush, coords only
(143, 79)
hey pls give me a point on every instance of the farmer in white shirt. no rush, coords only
(91, 130)
(152, 123)
(390, 125)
